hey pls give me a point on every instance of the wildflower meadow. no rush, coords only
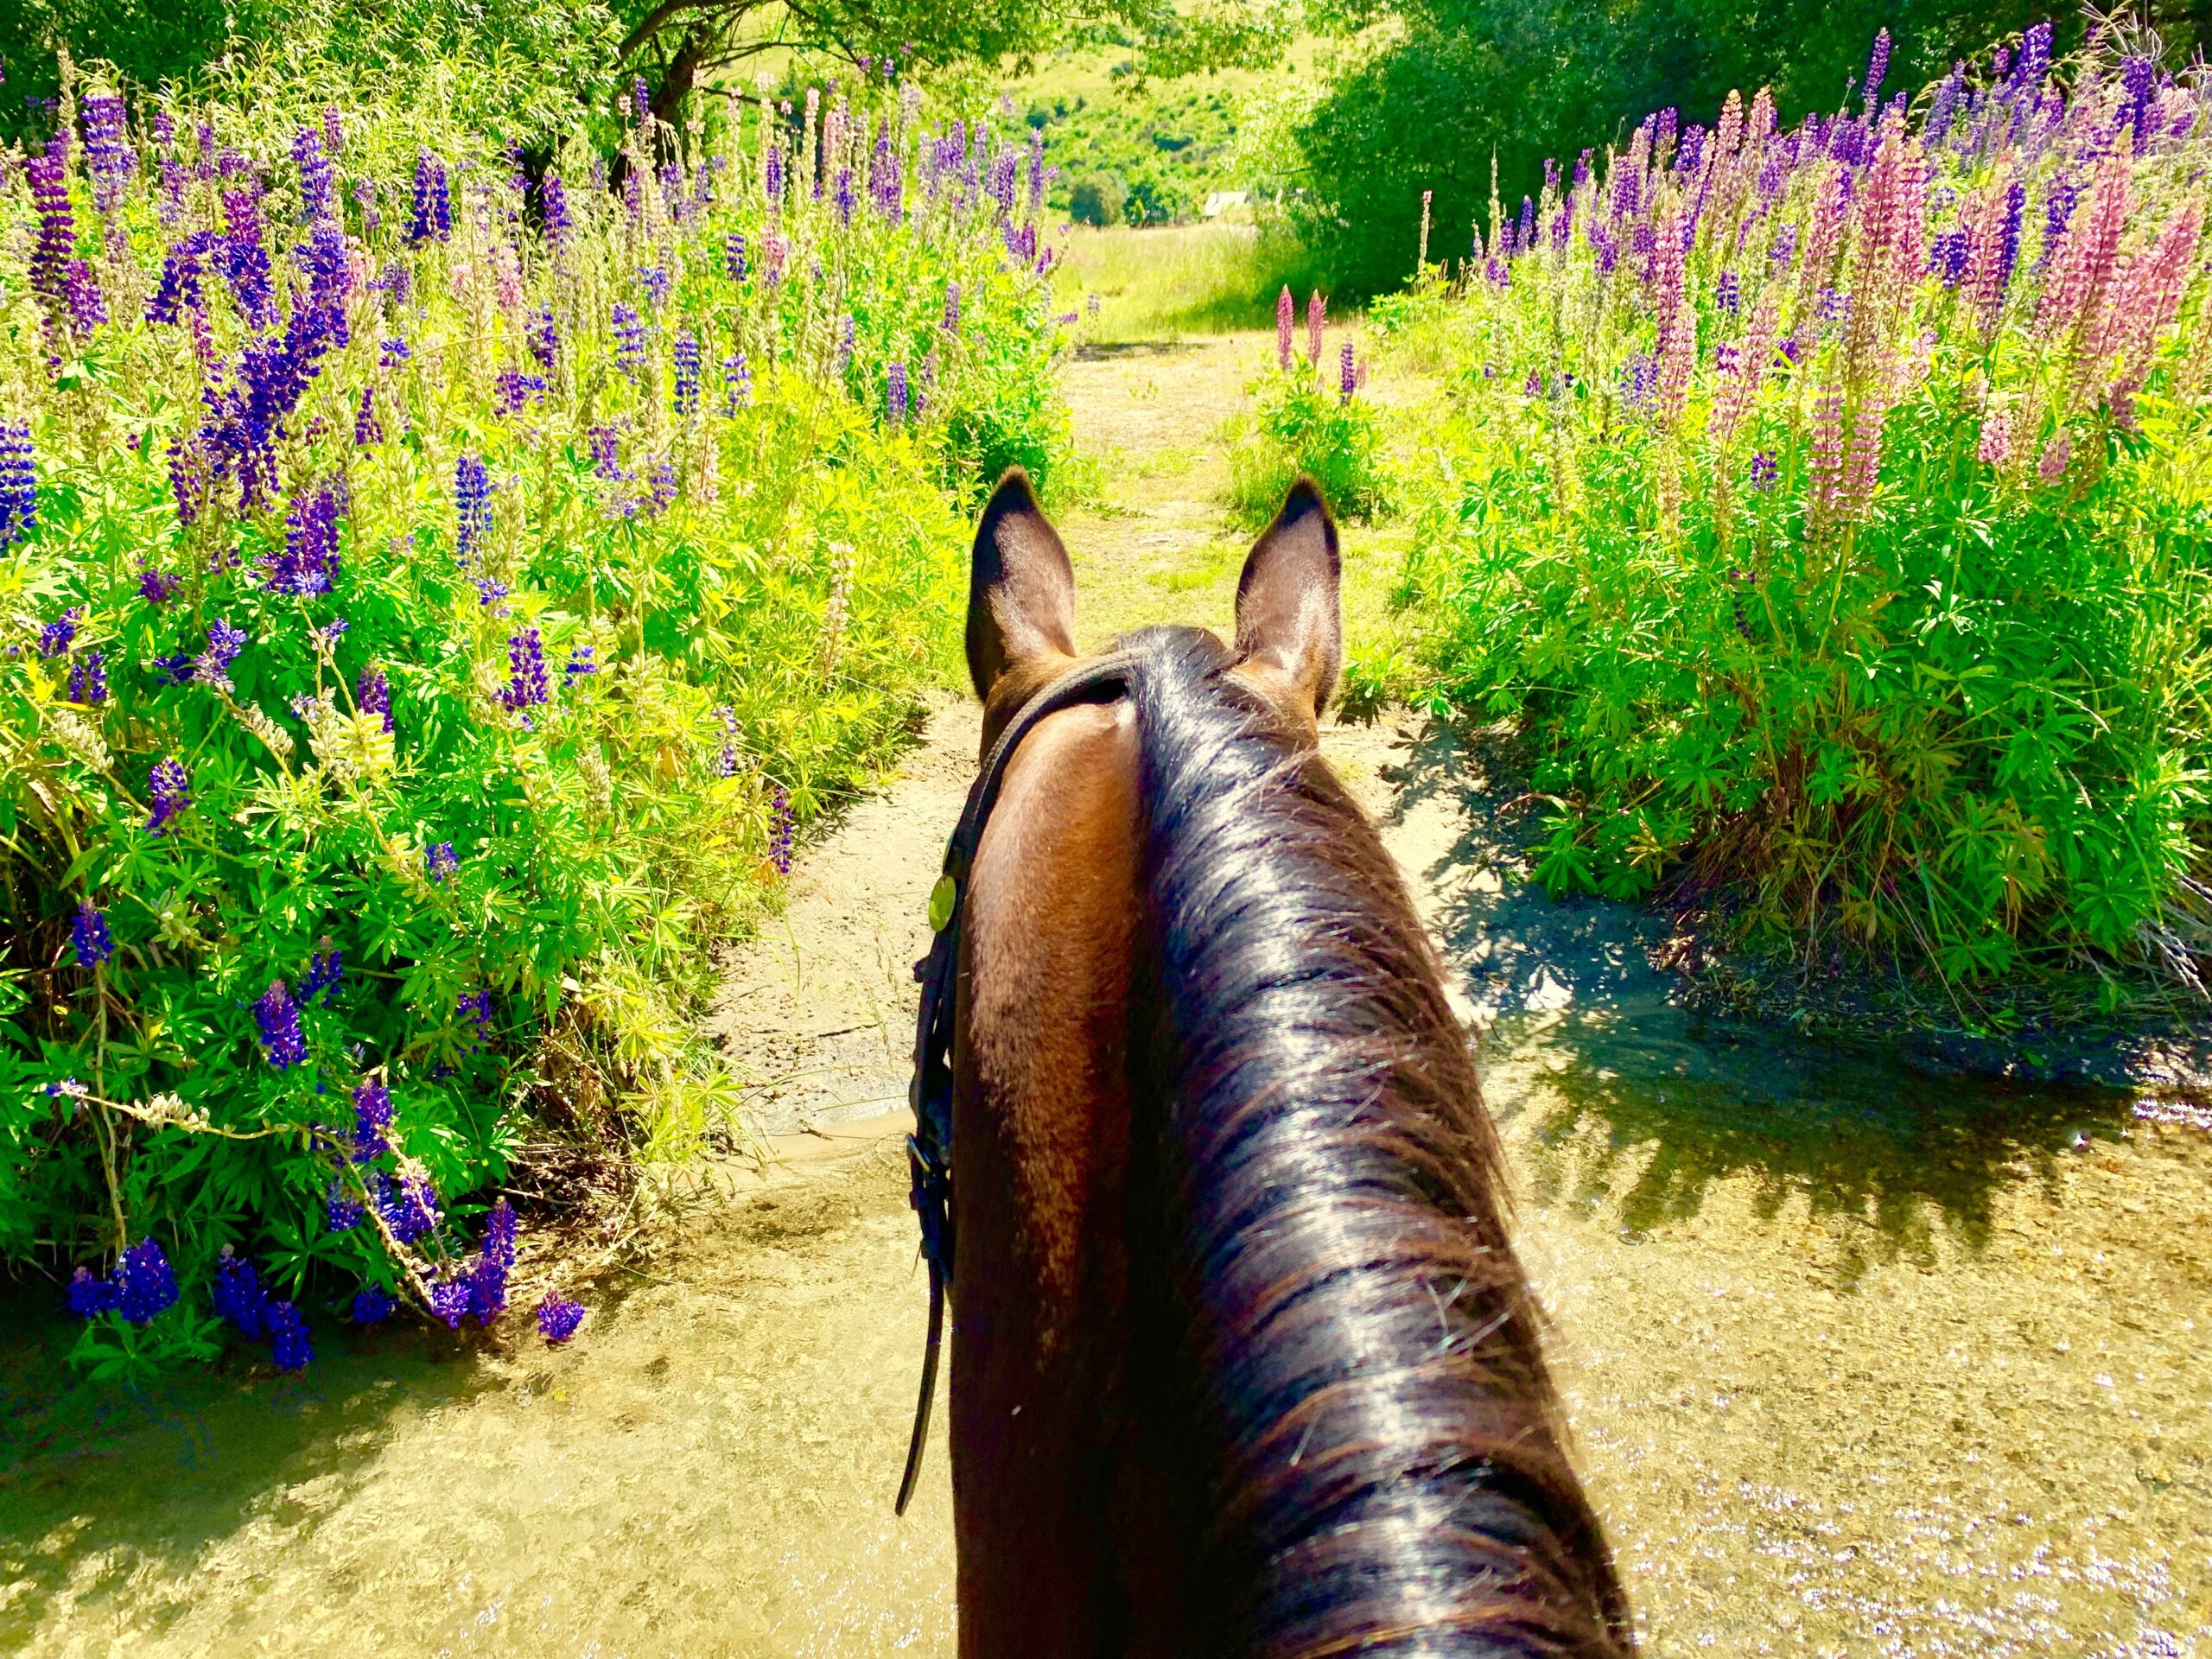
(435, 583)
(1830, 505)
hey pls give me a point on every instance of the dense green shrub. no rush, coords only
(1832, 507)
(1160, 153)
(430, 601)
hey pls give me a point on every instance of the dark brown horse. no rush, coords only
(1243, 1362)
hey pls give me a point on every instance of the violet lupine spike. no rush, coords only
(18, 483)
(432, 207)
(472, 488)
(526, 684)
(145, 1286)
(894, 394)
(278, 1016)
(168, 788)
(89, 936)
(108, 157)
(1347, 373)
(686, 353)
(1317, 314)
(318, 182)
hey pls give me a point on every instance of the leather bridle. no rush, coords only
(929, 1149)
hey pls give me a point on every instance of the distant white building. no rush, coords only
(1221, 201)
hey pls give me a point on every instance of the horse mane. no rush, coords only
(1359, 1334)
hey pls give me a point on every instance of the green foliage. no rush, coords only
(738, 589)
(1844, 564)
(1300, 424)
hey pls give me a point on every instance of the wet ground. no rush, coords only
(1859, 1362)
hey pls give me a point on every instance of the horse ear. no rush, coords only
(1288, 615)
(1021, 588)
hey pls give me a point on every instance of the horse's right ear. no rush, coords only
(1021, 588)
(1289, 616)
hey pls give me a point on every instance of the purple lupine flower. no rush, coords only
(780, 825)
(289, 1347)
(372, 1305)
(734, 256)
(57, 635)
(1640, 378)
(213, 665)
(88, 1297)
(440, 861)
(157, 587)
(308, 563)
(372, 1120)
(18, 483)
(325, 969)
(433, 217)
(952, 307)
(654, 280)
(629, 331)
(1347, 373)
(449, 1296)
(495, 1259)
(1764, 470)
(55, 251)
(145, 1286)
(238, 1295)
(2139, 81)
(558, 1317)
(581, 663)
(372, 693)
(472, 491)
(81, 293)
(846, 198)
(476, 1007)
(341, 1212)
(108, 155)
(525, 671)
(660, 486)
(894, 394)
(168, 786)
(543, 335)
(512, 389)
(737, 385)
(391, 353)
(1728, 293)
(687, 374)
(553, 199)
(333, 130)
(1877, 66)
(409, 1207)
(243, 259)
(278, 1016)
(1947, 256)
(88, 678)
(845, 346)
(726, 764)
(88, 934)
(368, 430)
(606, 453)
(2034, 61)
(318, 191)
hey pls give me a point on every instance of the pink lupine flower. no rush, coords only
(1995, 449)
(2074, 292)
(1316, 312)
(1677, 320)
(2146, 300)
(1286, 311)
(2055, 455)
(1826, 458)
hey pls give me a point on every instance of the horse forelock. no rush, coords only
(1390, 1473)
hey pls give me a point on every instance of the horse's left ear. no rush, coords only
(1020, 586)
(1288, 614)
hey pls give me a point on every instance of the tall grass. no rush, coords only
(1832, 505)
(1167, 280)
(432, 595)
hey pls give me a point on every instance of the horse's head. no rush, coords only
(1021, 606)
(1243, 1362)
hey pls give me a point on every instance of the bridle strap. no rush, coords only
(929, 1149)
